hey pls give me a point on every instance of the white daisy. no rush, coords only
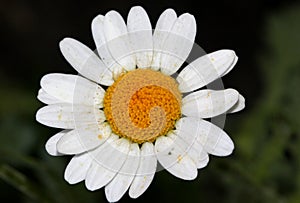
(124, 111)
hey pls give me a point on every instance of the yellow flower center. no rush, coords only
(142, 105)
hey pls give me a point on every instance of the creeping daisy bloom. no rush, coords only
(127, 109)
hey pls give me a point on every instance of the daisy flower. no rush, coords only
(128, 109)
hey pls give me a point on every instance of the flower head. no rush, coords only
(127, 108)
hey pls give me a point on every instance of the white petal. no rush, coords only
(73, 89)
(204, 159)
(121, 182)
(108, 160)
(199, 155)
(70, 144)
(140, 35)
(161, 32)
(231, 67)
(77, 168)
(213, 139)
(209, 103)
(84, 139)
(206, 69)
(46, 98)
(118, 41)
(240, 105)
(98, 31)
(101, 44)
(68, 116)
(223, 60)
(186, 130)
(145, 172)
(85, 61)
(174, 159)
(178, 44)
(52, 141)
(165, 21)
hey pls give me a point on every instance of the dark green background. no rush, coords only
(265, 166)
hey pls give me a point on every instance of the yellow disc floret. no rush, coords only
(142, 105)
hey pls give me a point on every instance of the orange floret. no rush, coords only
(142, 105)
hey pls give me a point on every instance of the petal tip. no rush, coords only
(38, 115)
(63, 42)
(89, 186)
(137, 8)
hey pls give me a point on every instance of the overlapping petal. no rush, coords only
(209, 103)
(178, 44)
(140, 36)
(240, 105)
(213, 139)
(121, 182)
(105, 166)
(161, 32)
(206, 69)
(44, 97)
(85, 61)
(77, 168)
(118, 42)
(72, 89)
(52, 142)
(67, 116)
(174, 159)
(83, 139)
(145, 172)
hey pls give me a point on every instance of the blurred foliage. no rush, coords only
(265, 166)
(268, 141)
